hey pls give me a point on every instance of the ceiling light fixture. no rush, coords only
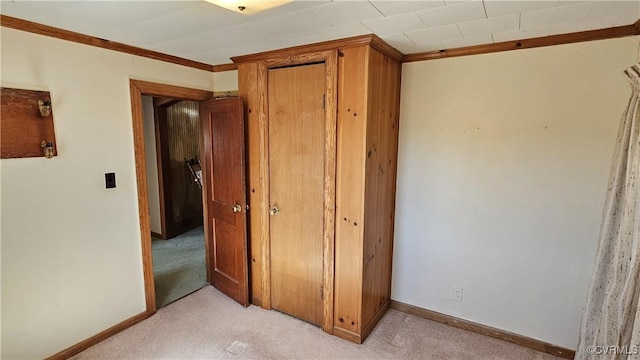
(248, 7)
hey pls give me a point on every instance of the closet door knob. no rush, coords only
(237, 208)
(274, 211)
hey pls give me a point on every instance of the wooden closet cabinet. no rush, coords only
(359, 131)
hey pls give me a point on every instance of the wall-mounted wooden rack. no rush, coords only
(23, 128)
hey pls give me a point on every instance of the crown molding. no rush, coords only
(225, 67)
(601, 34)
(46, 30)
(369, 39)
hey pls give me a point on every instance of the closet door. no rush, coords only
(296, 175)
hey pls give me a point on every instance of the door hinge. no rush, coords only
(324, 101)
(321, 292)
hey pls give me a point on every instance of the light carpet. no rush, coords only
(178, 266)
(209, 325)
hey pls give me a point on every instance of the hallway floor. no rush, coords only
(178, 266)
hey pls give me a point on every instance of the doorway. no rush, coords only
(322, 68)
(222, 125)
(172, 146)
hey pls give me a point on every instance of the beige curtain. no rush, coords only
(610, 327)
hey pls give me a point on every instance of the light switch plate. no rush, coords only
(110, 180)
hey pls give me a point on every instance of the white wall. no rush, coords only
(225, 80)
(71, 254)
(503, 167)
(151, 158)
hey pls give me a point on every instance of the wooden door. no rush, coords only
(225, 196)
(296, 175)
(177, 138)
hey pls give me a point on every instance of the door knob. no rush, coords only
(274, 211)
(237, 208)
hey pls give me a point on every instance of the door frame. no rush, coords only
(139, 88)
(330, 58)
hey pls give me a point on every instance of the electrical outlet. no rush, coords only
(457, 294)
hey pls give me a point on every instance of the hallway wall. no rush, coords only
(152, 164)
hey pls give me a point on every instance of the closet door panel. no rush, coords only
(296, 178)
(350, 179)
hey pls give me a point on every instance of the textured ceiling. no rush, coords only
(200, 31)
